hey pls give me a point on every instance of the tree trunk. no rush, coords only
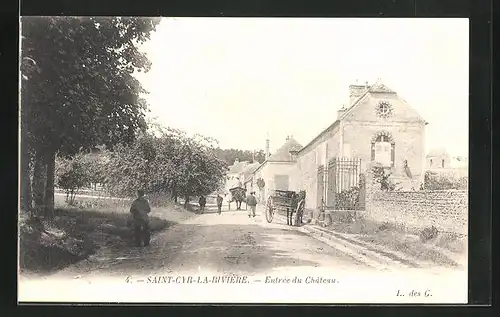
(174, 194)
(186, 201)
(49, 187)
(26, 194)
(26, 186)
(39, 183)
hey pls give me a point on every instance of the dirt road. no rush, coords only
(230, 244)
(227, 243)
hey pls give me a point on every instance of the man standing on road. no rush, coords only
(140, 210)
(219, 203)
(252, 203)
(202, 202)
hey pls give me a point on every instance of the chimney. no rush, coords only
(287, 137)
(341, 111)
(355, 91)
(267, 147)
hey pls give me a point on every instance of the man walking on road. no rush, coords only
(202, 202)
(140, 210)
(252, 203)
(219, 203)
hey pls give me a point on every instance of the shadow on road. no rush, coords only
(234, 248)
(75, 234)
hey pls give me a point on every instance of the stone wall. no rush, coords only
(446, 210)
(307, 177)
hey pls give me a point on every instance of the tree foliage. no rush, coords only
(73, 174)
(85, 92)
(78, 89)
(230, 155)
(436, 181)
(170, 163)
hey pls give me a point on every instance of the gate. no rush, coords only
(345, 184)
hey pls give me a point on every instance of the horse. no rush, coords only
(238, 195)
(298, 208)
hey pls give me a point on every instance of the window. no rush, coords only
(442, 163)
(430, 163)
(281, 182)
(384, 109)
(383, 150)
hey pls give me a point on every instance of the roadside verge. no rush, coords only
(371, 252)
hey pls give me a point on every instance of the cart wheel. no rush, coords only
(269, 212)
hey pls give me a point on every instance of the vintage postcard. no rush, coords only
(252, 160)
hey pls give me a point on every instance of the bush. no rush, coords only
(348, 199)
(428, 233)
(436, 181)
(384, 226)
(382, 176)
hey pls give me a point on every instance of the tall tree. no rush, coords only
(83, 92)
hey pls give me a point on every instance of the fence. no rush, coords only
(341, 185)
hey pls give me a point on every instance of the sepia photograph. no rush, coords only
(243, 160)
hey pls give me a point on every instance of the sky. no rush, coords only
(241, 79)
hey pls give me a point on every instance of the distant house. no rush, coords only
(234, 176)
(438, 158)
(247, 176)
(439, 161)
(276, 170)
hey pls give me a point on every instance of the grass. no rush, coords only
(76, 233)
(425, 244)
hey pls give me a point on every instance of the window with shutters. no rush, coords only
(383, 149)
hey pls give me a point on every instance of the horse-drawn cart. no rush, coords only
(238, 195)
(288, 202)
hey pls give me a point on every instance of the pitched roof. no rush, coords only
(283, 153)
(249, 169)
(380, 87)
(237, 167)
(330, 127)
(377, 87)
